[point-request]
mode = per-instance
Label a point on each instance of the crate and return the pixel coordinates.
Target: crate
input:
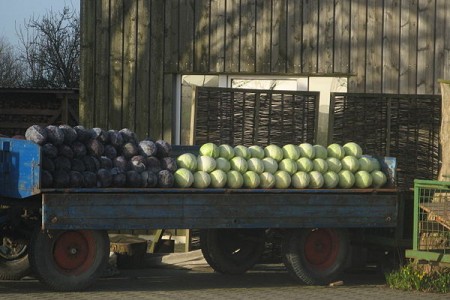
(431, 235)
(254, 117)
(403, 126)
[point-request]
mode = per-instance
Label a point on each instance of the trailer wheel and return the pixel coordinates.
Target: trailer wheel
(69, 260)
(316, 256)
(14, 263)
(232, 251)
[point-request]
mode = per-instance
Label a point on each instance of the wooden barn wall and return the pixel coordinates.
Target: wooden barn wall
(131, 49)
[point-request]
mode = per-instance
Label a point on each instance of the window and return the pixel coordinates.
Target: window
(268, 83)
(325, 85)
(185, 103)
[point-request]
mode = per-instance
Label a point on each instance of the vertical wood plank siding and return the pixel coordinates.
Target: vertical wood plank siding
(115, 78)
(131, 49)
(87, 63)
(101, 64)
(143, 68)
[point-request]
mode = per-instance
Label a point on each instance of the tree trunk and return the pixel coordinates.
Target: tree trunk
(444, 173)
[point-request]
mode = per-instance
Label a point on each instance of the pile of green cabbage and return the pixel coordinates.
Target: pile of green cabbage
(303, 166)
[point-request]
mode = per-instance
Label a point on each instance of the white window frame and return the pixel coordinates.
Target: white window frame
(311, 85)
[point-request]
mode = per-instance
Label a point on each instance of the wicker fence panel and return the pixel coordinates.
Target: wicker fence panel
(403, 126)
(255, 117)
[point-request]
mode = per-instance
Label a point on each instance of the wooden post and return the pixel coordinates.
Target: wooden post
(157, 237)
(65, 109)
(444, 173)
(193, 117)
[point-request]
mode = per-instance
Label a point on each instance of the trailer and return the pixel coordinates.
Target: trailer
(63, 233)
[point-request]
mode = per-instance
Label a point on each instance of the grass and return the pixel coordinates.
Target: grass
(420, 277)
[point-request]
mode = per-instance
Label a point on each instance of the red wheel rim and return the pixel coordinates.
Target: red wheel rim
(321, 248)
(74, 251)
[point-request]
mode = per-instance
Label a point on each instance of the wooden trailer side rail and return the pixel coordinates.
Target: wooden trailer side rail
(219, 208)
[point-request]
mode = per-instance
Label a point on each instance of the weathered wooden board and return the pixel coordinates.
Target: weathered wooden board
(116, 64)
(143, 69)
(219, 209)
(278, 37)
(186, 35)
(129, 65)
(172, 31)
(391, 53)
(358, 16)
(87, 68)
(201, 46)
(231, 36)
(101, 92)
(263, 36)
(408, 50)
(426, 47)
(310, 30)
(326, 37)
(294, 33)
(374, 59)
(217, 28)
(444, 140)
(438, 212)
(341, 44)
(156, 93)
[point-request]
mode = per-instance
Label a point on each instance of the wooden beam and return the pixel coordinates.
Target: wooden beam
(444, 173)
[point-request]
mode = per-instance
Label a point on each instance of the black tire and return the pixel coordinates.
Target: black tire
(316, 256)
(69, 260)
(205, 250)
(232, 251)
(14, 265)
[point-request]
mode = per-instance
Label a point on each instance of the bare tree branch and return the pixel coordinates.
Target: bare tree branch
(11, 69)
(51, 49)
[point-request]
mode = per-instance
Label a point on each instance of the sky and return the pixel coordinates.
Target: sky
(13, 13)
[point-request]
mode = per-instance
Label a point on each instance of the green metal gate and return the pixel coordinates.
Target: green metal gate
(431, 237)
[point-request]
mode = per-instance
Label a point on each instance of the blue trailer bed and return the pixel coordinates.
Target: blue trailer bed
(115, 209)
(130, 208)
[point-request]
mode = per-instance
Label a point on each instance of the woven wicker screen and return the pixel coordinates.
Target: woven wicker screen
(403, 126)
(255, 117)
